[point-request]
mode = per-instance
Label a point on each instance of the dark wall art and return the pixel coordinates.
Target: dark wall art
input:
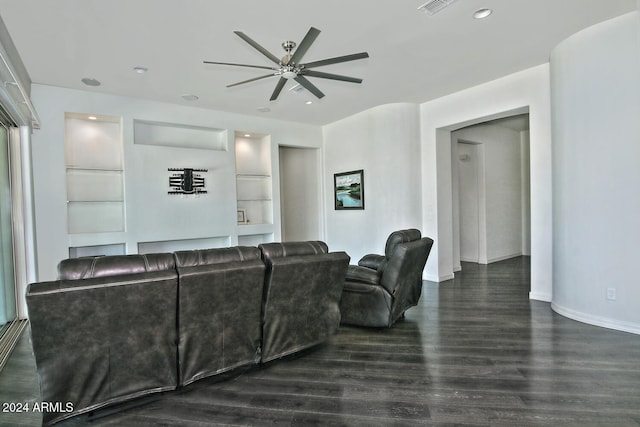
(185, 181)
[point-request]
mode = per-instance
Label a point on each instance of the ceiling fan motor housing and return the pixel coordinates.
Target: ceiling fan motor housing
(288, 46)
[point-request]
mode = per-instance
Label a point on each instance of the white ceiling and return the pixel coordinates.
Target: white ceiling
(414, 57)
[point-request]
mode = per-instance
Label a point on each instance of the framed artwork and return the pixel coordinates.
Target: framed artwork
(348, 188)
(242, 216)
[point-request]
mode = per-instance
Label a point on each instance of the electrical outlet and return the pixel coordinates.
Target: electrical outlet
(611, 294)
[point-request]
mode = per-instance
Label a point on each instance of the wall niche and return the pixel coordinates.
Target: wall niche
(94, 173)
(253, 179)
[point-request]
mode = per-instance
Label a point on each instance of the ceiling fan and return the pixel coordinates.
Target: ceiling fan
(288, 67)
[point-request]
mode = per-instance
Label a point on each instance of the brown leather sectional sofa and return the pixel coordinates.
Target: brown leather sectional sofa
(115, 328)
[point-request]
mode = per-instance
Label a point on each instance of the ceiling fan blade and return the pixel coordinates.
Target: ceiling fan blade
(240, 65)
(250, 80)
(309, 86)
(259, 48)
(278, 89)
(336, 60)
(304, 45)
(322, 75)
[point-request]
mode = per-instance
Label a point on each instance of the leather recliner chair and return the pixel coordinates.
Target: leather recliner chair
(381, 288)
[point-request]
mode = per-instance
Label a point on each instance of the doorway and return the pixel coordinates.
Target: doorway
(300, 194)
(491, 191)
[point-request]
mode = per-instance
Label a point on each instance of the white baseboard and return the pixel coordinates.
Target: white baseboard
(432, 278)
(540, 296)
(491, 260)
(590, 319)
(502, 258)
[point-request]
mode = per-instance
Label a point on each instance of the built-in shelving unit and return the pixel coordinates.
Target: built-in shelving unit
(254, 188)
(95, 186)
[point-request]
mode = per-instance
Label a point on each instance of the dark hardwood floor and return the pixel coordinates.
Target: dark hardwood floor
(475, 352)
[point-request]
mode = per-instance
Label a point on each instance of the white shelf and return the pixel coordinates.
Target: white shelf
(91, 169)
(90, 185)
(96, 239)
(97, 250)
(95, 217)
(250, 229)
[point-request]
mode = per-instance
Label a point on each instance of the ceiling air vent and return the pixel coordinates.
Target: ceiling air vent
(434, 6)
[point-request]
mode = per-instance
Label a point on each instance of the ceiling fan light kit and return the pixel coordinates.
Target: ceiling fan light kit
(289, 67)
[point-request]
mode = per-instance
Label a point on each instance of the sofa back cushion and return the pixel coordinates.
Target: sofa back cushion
(302, 291)
(219, 307)
(400, 236)
(279, 250)
(113, 265)
(200, 257)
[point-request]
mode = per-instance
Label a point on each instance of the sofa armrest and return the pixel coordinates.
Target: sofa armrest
(372, 261)
(356, 273)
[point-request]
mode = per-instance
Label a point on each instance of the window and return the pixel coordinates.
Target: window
(7, 277)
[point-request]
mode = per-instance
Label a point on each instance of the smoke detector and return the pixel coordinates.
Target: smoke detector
(434, 6)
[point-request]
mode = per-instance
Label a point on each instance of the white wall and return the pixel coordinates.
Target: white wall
(526, 91)
(468, 178)
(595, 76)
(525, 148)
(152, 215)
(503, 189)
(384, 142)
(300, 195)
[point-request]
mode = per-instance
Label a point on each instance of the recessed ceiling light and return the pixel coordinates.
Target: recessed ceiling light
(92, 118)
(247, 135)
(482, 13)
(140, 70)
(309, 102)
(90, 82)
(263, 109)
(190, 97)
